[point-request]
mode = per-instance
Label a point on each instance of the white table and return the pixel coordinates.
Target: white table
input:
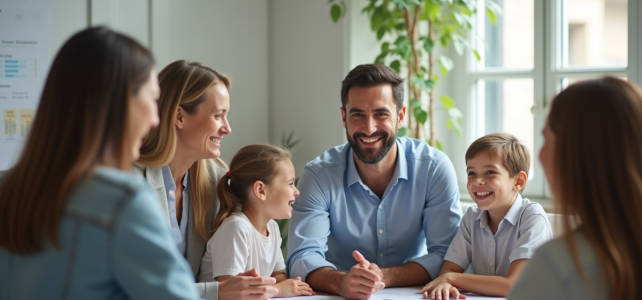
(407, 293)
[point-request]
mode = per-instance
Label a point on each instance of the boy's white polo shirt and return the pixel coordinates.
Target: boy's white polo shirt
(524, 228)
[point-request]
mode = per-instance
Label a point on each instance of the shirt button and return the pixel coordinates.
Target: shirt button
(491, 264)
(492, 244)
(380, 207)
(381, 255)
(380, 230)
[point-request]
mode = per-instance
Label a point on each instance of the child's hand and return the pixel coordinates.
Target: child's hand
(440, 288)
(293, 287)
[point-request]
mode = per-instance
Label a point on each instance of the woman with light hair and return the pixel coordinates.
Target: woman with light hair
(180, 160)
(592, 157)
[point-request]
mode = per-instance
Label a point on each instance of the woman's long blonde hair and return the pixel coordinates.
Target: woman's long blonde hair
(81, 119)
(598, 170)
(183, 84)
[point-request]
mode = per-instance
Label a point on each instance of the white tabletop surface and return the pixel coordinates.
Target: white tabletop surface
(406, 293)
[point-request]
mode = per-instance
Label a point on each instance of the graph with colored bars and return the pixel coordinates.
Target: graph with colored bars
(18, 68)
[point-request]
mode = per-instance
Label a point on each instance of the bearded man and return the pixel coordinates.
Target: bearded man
(379, 211)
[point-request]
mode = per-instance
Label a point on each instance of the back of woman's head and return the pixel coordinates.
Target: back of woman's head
(250, 164)
(182, 84)
(81, 120)
(598, 172)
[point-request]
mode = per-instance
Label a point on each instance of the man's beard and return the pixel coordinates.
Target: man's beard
(370, 155)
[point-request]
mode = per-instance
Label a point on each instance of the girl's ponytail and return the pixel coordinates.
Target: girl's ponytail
(250, 164)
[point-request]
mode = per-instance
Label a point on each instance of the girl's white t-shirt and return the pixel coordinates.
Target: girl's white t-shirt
(237, 247)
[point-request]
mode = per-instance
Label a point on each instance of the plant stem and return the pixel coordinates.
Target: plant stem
(431, 94)
(411, 68)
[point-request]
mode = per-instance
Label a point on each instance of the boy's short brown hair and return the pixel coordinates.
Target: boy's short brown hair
(507, 147)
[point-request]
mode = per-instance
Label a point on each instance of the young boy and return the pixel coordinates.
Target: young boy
(499, 234)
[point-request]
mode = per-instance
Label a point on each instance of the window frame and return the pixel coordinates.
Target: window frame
(547, 75)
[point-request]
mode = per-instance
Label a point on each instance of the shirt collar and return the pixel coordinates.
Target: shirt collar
(512, 215)
(401, 169)
(168, 179)
(514, 211)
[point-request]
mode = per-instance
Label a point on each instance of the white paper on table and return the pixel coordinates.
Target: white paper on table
(407, 293)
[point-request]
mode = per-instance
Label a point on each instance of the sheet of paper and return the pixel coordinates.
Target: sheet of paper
(409, 293)
(24, 63)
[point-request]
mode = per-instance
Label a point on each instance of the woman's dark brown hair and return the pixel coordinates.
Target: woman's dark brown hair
(81, 120)
(598, 172)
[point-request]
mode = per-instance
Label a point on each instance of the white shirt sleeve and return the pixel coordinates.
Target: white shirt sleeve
(460, 250)
(231, 244)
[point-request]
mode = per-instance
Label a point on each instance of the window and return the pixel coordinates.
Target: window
(535, 49)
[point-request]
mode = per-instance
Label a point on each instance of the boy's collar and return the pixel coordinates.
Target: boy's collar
(512, 215)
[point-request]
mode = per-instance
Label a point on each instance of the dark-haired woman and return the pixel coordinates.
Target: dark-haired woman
(74, 222)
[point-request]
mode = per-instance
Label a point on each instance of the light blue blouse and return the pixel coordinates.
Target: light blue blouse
(179, 230)
(113, 245)
(551, 273)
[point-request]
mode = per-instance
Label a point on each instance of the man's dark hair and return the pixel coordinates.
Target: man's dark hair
(370, 75)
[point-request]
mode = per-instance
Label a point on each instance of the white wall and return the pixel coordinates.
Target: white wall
(230, 36)
(307, 63)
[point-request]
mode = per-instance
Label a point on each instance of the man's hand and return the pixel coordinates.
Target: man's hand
(247, 286)
(362, 281)
(366, 264)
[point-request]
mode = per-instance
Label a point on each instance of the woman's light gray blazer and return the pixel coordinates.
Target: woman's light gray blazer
(195, 245)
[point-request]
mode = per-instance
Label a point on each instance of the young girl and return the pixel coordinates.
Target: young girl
(258, 188)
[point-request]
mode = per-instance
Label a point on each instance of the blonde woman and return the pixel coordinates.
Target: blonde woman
(592, 157)
(180, 160)
(74, 222)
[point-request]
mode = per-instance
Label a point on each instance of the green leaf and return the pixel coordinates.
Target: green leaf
(414, 103)
(494, 7)
(377, 18)
(403, 131)
(432, 10)
(335, 13)
(491, 16)
(455, 113)
(477, 56)
(447, 102)
(428, 44)
(420, 115)
(330, 1)
(439, 146)
(400, 26)
(380, 33)
(396, 65)
(430, 84)
(459, 42)
(446, 64)
(385, 47)
(435, 78)
(456, 127)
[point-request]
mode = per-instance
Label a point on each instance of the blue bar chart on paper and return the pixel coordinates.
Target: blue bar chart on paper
(18, 68)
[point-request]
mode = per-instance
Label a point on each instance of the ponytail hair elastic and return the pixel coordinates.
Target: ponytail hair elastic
(229, 177)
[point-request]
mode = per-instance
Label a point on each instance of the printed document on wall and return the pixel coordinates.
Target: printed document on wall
(24, 63)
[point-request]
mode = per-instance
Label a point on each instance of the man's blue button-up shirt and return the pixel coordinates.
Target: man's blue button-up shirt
(337, 213)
